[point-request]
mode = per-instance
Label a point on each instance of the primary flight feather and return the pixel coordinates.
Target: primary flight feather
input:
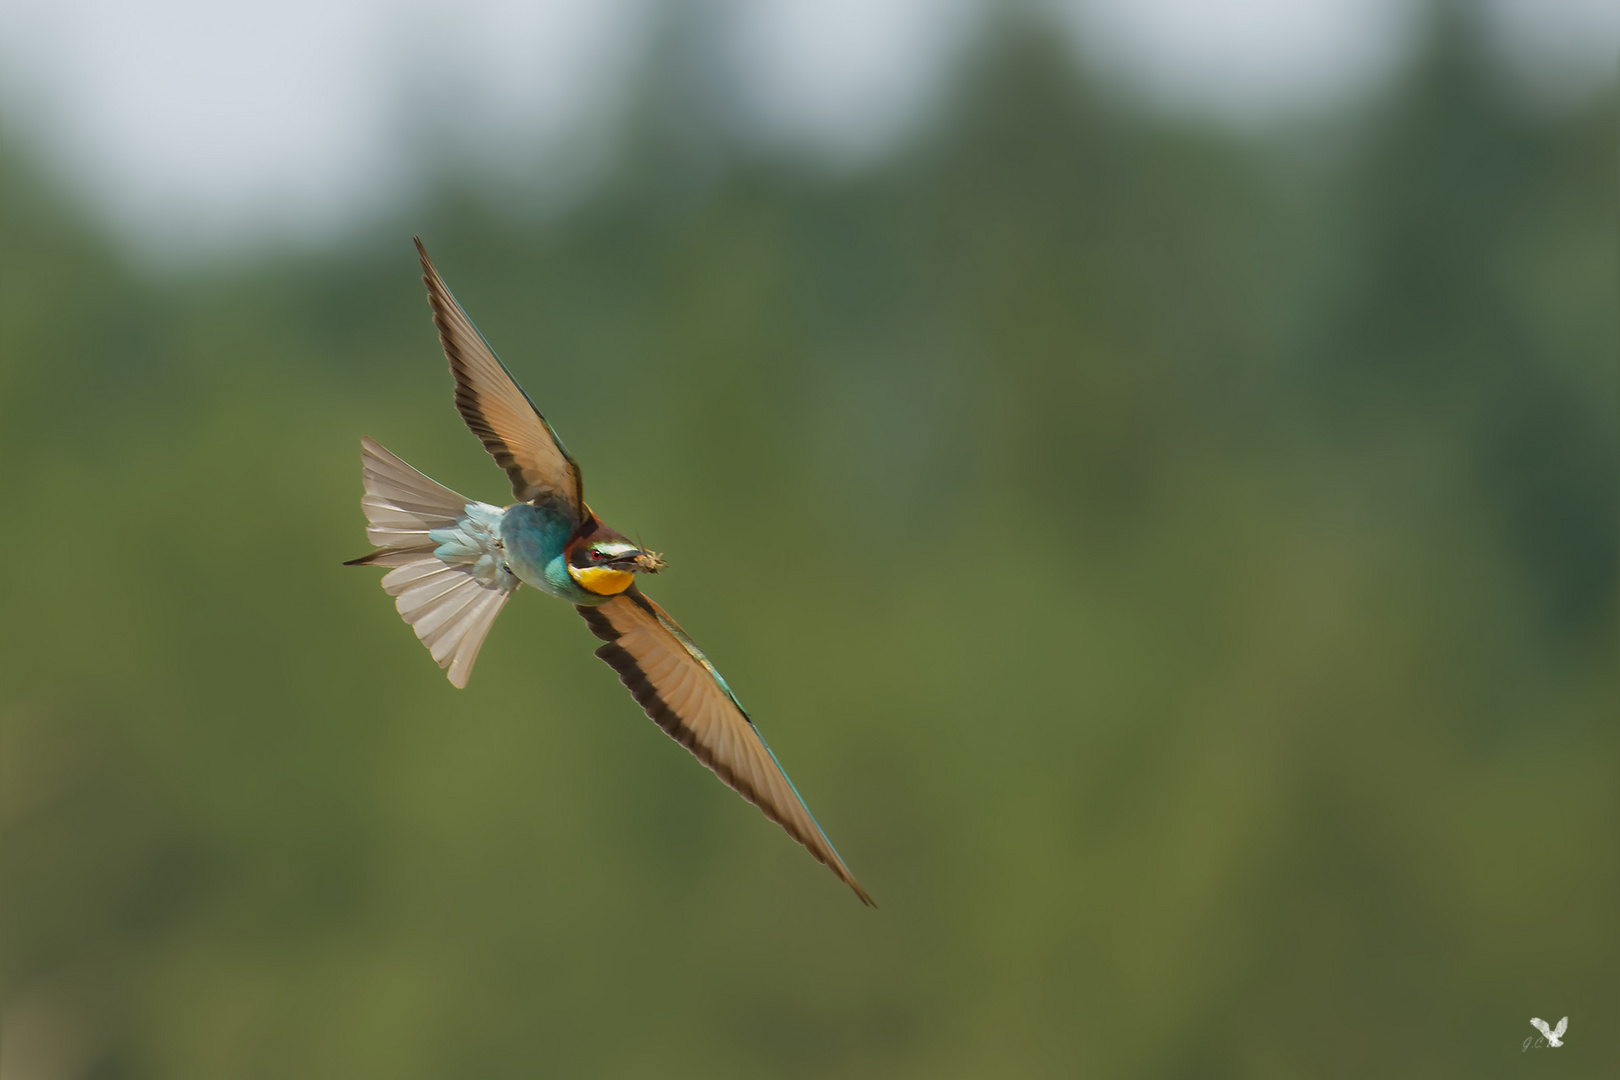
(453, 562)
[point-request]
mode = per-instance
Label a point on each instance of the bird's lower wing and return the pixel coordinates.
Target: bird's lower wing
(683, 694)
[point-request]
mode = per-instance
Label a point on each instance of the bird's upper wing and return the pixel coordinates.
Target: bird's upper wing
(1540, 1025)
(1563, 1026)
(684, 695)
(496, 408)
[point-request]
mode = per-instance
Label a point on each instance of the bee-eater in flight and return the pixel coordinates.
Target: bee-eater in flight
(453, 562)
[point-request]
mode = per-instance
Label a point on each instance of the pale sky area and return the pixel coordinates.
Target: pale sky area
(194, 123)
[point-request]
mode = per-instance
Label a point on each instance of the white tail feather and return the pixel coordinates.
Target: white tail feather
(449, 603)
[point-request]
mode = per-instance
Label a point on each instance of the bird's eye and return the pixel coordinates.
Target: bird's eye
(596, 555)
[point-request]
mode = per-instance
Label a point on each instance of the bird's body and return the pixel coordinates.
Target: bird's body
(455, 561)
(536, 540)
(1553, 1035)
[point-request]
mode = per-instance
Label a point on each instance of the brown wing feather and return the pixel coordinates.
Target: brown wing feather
(683, 694)
(496, 408)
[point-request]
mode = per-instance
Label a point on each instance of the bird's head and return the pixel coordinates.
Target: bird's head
(605, 563)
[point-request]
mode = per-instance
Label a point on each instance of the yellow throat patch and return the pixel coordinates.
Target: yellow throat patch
(602, 580)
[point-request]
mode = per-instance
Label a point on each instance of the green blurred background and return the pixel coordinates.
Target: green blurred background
(1177, 563)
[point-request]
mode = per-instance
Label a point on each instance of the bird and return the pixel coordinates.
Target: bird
(1553, 1035)
(453, 562)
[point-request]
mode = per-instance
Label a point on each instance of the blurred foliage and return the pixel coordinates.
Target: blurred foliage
(1178, 568)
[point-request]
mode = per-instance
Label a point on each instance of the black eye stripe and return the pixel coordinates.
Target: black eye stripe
(608, 555)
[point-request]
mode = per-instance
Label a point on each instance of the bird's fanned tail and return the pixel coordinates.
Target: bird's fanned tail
(447, 578)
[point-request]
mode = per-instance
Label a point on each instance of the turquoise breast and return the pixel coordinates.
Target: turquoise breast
(534, 538)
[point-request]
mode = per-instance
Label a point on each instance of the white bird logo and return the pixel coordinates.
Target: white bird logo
(1554, 1035)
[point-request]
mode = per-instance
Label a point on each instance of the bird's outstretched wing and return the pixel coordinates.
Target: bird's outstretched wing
(1541, 1025)
(684, 695)
(1563, 1026)
(496, 408)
